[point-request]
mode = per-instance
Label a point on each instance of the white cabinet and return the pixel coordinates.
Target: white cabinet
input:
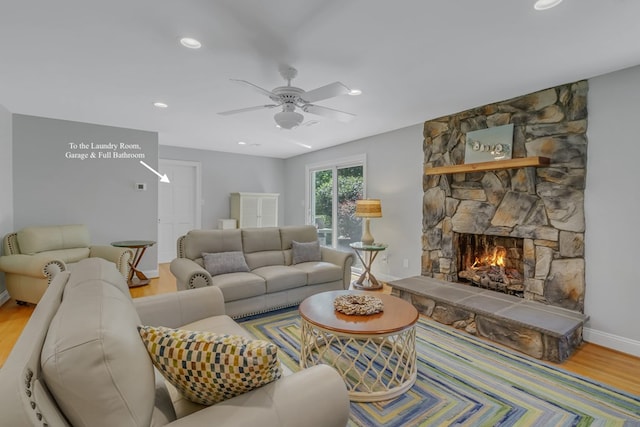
(255, 209)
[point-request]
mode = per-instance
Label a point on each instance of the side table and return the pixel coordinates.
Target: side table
(140, 246)
(367, 280)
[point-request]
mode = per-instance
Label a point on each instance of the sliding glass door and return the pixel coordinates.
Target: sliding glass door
(332, 193)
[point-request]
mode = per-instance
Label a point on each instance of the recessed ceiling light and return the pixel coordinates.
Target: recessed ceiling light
(190, 43)
(160, 105)
(242, 143)
(546, 4)
(355, 92)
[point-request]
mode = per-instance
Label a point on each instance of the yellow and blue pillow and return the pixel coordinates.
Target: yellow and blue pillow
(207, 368)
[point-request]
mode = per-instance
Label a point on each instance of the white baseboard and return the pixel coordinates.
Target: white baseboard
(614, 342)
(4, 297)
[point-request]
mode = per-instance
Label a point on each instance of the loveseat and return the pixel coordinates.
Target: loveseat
(260, 269)
(80, 361)
(33, 255)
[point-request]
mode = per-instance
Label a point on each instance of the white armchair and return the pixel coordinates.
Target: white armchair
(34, 255)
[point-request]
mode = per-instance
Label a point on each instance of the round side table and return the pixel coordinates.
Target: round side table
(140, 246)
(367, 280)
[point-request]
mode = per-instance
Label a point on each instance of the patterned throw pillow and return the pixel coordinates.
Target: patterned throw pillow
(207, 368)
(305, 252)
(224, 262)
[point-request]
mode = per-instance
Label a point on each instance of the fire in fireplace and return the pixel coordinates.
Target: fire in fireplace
(491, 262)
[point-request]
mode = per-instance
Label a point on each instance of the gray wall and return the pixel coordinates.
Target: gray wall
(394, 175)
(225, 173)
(50, 189)
(6, 181)
(612, 204)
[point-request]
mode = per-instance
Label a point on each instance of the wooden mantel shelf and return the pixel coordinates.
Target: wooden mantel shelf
(521, 162)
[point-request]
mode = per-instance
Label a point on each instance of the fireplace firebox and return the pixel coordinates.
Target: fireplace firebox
(491, 262)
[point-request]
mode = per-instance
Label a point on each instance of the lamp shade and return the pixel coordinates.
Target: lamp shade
(368, 208)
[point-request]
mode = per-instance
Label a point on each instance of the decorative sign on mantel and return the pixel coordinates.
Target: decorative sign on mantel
(486, 145)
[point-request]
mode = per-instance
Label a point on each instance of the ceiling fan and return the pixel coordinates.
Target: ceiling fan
(292, 98)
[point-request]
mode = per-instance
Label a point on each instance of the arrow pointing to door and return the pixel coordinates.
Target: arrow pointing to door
(163, 178)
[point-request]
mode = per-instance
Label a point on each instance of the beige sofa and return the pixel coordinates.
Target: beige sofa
(33, 255)
(80, 361)
(273, 278)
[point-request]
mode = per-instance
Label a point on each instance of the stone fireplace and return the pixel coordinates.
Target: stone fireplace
(529, 213)
(543, 206)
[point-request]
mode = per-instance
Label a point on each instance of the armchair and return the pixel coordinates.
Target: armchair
(34, 255)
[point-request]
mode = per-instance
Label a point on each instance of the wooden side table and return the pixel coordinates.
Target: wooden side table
(367, 280)
(140, 246)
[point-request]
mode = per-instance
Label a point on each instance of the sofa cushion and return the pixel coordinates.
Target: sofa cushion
(299, 233)
(279, 277)
(320, 272)
(195, 242)
(68, 256)
(225, 262)
(33, 240)
(235, 286)
(93, 361)
(262, 259)
(207, 368)
(261, 239)
(305, 252)
(261, 247)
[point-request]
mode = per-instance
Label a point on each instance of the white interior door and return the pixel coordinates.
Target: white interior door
(179, 207)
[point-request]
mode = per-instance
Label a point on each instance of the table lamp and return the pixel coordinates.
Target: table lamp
(368, 208)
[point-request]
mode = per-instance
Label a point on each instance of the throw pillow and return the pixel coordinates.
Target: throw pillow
(305, 252)
(207, 368)
(225, 262)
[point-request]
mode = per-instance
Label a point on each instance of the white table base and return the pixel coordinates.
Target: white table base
(374, 367)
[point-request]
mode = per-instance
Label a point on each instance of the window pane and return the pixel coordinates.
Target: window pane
(350, 189)
(322, 205)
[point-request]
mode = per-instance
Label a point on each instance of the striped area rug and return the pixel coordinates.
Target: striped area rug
(465, 381)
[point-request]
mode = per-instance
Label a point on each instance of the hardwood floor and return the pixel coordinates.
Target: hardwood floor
(593, 361)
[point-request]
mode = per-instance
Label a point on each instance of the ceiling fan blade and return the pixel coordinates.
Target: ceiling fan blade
(254, 87)
(328, 112)
(325, 92)
(244, 110)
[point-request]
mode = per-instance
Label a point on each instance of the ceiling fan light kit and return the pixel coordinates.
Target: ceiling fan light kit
(288, 119)
(290, 98)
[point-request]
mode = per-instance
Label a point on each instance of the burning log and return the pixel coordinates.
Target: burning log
(493, 277)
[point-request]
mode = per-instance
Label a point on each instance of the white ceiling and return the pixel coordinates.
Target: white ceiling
(106, 62)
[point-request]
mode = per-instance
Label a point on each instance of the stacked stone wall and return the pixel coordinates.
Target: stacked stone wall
(544, 205)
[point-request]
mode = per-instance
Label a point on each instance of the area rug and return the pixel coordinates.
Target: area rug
(465, 381)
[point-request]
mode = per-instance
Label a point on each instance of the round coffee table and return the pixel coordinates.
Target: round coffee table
(375, 354)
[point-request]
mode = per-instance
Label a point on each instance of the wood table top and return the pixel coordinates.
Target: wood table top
(397, 315)
(133, 243)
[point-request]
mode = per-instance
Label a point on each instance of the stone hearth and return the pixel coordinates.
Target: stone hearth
(544, 206)
(538, 330)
